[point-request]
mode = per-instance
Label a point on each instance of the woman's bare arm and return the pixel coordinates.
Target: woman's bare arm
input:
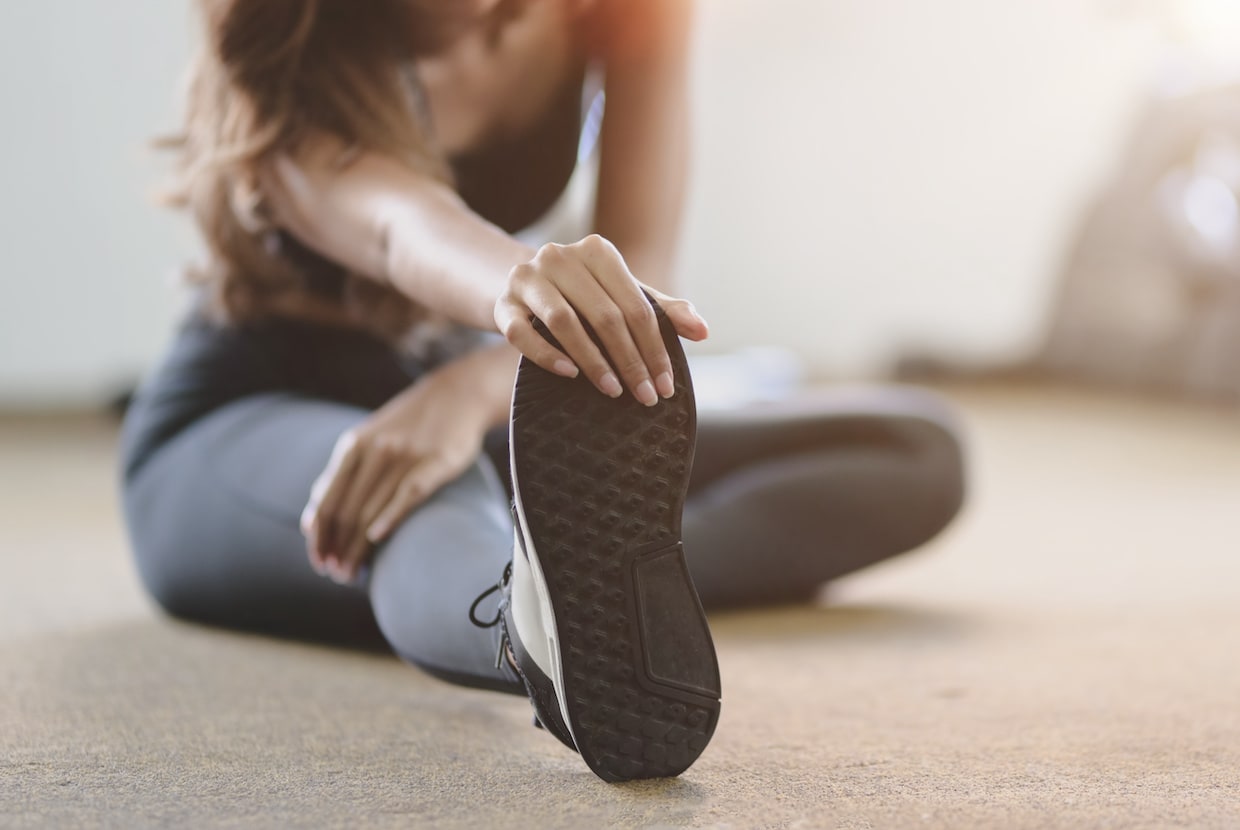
(645, 136)
(379, 218)
(382, 219)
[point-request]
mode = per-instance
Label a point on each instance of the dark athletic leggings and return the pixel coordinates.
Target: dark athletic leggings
(779, 503)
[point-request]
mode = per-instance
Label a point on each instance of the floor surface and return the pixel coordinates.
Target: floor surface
(1065, 656)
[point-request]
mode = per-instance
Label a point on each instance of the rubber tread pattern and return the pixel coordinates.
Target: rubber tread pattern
(602, 481)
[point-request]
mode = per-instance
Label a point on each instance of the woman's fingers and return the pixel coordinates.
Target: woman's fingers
(570, 287)
(363, 498)
(588, 300)
(626, 314)
(685, 318)
(414, 488)
(331, 520)
(380, 499)
(318, 520)
(360, 509)
(368, 477)
(513, 319)
(359, 544)
(560, 305)
(545, 301)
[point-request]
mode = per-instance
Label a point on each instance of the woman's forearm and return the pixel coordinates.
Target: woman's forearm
(380, 218)
(442, 255)
(487, 375)
(645, 136)
(642, 182)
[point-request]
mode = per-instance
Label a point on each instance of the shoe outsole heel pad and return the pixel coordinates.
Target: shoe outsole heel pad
(602, 484)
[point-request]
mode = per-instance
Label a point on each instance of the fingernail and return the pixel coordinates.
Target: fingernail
(665, 385)
(376, 532)
(645, 393)
(610, 385)
(563, 367)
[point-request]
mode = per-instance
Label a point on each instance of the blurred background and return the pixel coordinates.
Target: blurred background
(876, 183)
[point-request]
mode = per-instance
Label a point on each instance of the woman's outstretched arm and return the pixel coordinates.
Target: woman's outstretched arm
(645, 135)
(382, 219)
(374, 215)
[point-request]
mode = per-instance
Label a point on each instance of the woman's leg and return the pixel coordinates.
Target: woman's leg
(784, 500)
(214, 520)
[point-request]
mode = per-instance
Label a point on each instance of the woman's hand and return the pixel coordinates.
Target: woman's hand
(390, 463)
(589, 281)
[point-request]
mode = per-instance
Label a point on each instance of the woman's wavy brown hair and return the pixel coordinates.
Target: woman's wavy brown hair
(268, 74)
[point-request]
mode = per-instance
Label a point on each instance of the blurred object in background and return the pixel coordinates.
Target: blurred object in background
(1209, 30)
(1149, 295)
(758, 374)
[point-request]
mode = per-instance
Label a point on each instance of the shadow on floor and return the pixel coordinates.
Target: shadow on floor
(843, 624)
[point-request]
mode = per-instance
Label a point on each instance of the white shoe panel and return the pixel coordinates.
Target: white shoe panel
(526, 613)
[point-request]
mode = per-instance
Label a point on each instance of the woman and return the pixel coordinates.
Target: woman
(360, 173)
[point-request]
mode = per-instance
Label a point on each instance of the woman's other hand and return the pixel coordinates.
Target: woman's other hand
(588, 281)
(385, 467)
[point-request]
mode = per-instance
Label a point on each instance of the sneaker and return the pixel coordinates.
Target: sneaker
(538, 686)
(604, 622)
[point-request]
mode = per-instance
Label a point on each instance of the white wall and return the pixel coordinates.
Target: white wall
(870, 173)
(86, 260)
(876, 174)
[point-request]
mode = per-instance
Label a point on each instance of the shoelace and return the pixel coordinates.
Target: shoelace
(498, 586)
(499, 612)
(504, 643)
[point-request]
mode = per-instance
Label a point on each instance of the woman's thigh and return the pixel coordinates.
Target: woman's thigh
(214, 519)
(892, 419)
(786, 497)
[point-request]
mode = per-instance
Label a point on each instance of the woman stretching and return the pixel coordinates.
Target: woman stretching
(325, 453)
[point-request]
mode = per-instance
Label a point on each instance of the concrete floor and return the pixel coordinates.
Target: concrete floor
(1065, 656)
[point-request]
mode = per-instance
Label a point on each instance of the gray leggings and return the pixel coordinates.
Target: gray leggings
(778, 504)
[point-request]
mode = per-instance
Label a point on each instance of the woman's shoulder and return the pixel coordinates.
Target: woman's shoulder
(616, 29)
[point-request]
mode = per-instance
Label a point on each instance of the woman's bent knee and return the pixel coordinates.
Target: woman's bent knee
(152, 559)
(426, 575)
(936, 456)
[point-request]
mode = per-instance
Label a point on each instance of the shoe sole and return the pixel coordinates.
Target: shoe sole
(600, 487)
